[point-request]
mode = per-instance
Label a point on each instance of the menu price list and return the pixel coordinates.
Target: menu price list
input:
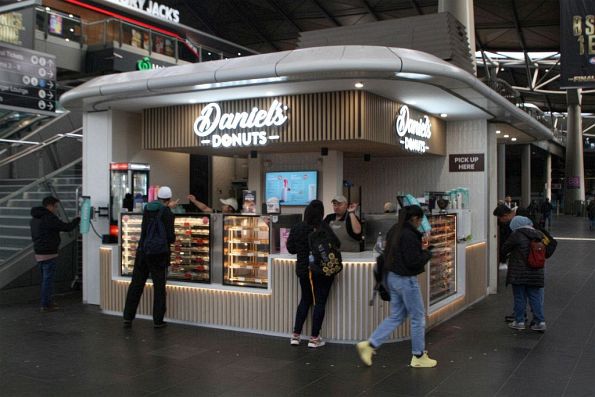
(27, 79)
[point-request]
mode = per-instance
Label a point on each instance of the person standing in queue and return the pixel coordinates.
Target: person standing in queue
(152, 257)
(315, 288)
(228, 205)
(406, 257)
(345, 224)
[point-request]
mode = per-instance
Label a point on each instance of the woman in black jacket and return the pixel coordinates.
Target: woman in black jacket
(527, 283)
(315, 288)
(406, 257)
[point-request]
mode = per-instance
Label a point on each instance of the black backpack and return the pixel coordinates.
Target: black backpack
(155, 242)
(549, 241)
(380, 280)
(327, 256)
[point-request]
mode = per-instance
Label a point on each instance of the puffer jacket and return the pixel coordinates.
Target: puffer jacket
(517, 247)
(297, 243)
(45, 230)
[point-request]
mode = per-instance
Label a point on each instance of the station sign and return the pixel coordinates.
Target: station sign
(414, 135)
(218, 129)
(27, 79)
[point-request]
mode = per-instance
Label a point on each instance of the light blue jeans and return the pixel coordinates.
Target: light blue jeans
(405, 299)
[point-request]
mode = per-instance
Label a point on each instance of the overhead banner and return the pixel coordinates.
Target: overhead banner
(577, 44)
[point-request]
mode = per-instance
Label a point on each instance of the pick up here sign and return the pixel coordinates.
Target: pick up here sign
(466, 162)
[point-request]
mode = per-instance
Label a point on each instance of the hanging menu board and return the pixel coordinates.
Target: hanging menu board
(27, 79)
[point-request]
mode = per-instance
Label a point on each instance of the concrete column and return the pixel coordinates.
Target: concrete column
(463, 11)
(574, 151)
(332, 178)
(526, 176)
(548, 176)
(501, 175)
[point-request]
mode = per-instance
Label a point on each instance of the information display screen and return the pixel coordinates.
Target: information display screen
(292, 187)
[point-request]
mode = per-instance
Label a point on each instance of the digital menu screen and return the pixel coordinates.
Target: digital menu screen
(292, 187)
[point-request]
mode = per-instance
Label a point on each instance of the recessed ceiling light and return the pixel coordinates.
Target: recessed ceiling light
(239, 54)
(359, 84)
(47, 8)
(443, 115)
(506, 136)
(269, 93)
(67, 39)
(412, 102)
(513, 139)
(498, 131)
(71, 16)
(193, 101)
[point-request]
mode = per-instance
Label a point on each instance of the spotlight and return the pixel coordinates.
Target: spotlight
(324, 151)
(253, 154)
(359, 84)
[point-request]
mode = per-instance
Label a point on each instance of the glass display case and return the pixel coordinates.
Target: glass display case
(443, 265)
(190, 254)
(246, 250)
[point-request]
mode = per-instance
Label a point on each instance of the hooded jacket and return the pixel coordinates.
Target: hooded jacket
(45, 230)
(410, 258)
(517, 246)
(150, 212)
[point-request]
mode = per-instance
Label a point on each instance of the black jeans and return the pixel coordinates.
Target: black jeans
(315, 291)
(156, 266)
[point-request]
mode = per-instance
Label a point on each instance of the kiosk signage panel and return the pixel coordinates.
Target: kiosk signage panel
(291, 187)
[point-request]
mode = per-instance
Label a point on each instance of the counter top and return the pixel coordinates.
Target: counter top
(365, 256)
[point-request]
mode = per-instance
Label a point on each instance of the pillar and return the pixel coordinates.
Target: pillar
(548, 176)
(332, 178)
(575, 171)
(526, 176)
(462, 10)
(255, 179)
(501, 175)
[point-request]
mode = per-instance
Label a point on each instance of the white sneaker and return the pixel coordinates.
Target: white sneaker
(316, 342)
(295, 339)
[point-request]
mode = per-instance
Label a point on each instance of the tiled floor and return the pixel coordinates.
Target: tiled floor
(79, 351)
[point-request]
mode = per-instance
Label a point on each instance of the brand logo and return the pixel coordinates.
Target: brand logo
(212, 119)
(413, 134)
(150, 7)
(147, 64)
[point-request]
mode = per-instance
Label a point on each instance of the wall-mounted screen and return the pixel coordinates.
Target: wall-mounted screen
(292, 187)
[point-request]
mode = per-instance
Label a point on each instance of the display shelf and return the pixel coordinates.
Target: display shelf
(442, 273)
(245, 250)
(190, 254)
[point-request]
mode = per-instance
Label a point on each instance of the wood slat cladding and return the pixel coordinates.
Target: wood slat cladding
(348, 315)
(338, 119)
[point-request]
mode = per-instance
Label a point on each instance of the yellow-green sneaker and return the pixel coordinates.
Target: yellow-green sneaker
(423, 362)
(365, 351)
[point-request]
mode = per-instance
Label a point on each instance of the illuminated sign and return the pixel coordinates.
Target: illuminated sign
(150, 7)
(212, 119)
(147, 64)
(413, 134)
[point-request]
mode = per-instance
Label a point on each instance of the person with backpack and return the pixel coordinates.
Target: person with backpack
(405, 257)
(526, 272)
(152, 257)
(315, 287)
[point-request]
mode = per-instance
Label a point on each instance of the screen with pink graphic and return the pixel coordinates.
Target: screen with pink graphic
(292, 187)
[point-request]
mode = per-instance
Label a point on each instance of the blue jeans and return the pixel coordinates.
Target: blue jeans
(405, 299)
(534, 295)
(48, 269)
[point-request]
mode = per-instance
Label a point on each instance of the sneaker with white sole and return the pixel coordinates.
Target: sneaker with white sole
(423, 362)
(295, 339)
(539, 327)
(515, 325)
(315, 342)
(365, 351)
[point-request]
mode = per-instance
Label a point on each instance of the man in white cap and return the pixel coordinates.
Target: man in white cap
(345, 224)
(228, 205)
(152, 257)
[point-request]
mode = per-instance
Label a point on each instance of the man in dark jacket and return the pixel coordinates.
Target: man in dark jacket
(151, 259)
(45, 233)
(527, 283)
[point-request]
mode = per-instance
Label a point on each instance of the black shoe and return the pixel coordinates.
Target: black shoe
(127, 324)
(509, 319)
(162, 324)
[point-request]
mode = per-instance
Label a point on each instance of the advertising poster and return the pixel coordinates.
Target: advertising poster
(577, 44)
(283, 236)
(249, 204)
(291, 187)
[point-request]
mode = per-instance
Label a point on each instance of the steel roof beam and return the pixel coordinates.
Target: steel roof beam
(327, 14)
(521, 39)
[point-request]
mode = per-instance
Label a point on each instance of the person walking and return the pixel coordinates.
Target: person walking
(406, 257)
(315, 288)
(45, 233)
(546, 213)
(152, 257)
(591, 214)
(527, 282)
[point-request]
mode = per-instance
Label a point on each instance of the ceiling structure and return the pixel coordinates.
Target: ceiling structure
(521, 26)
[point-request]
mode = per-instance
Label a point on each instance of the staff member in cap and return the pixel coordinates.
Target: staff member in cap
(228, 205)
(152, 257)
(345, 224)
